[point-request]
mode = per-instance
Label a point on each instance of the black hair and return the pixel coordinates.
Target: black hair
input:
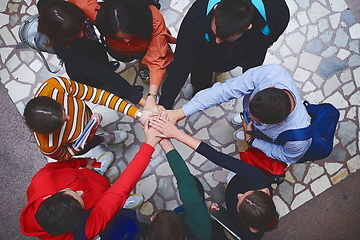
(43, 115)
(232, 17)
(258, 211)
(58, 214)
(127, 16)
(166, 226)
(61, 22)
(271, 105)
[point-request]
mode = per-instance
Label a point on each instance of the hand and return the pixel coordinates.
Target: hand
(150, 105)
(175, 115)
(90, 162)
(164, 126)
(214, 206)
(144, 116)
(151, 134)
(247, 127)
(96, 126)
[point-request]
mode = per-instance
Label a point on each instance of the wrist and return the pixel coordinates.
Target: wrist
(250, 141)
(138, 114)
(152, 95)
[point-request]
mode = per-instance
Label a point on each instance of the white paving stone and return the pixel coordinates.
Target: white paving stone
(329, 51)
(313, 32)
(341, 38)
(317, 80)
(198, 159)
(4, 53)
(290, 62)
(202, 134)
(338, 5)
(179, 5)
(355, 31)
(342, 54)
(320, 185)
(314, 97)
(354, 164)
(18, 91)
(309, 61)
(302, 18)
(314, 172)
(295, 41)
(7, 36)
(293, 6)
(210, 180)
(147, 186)
(348, 88)
(298, 188)
(345, 76)
(4, 75)
(308, 87)
(36, 65)
(13, 63)
(317, 11)
(351, 113)
(330, 85)
(214, 112)
(301, 199)
(323, 24)
(3, 5)
(4, 19)
(332, 168)
(337, 100)
(24, 74)
(281, 207)
(335, 20)
(203, 121)
(356, 73)
(301, 75)
(163, 170)
(355, 99)
(352, 148)
(284, 51)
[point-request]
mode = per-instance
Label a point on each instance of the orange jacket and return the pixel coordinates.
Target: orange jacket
(159, 53)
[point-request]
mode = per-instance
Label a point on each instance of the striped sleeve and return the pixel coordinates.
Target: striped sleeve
(97, 96)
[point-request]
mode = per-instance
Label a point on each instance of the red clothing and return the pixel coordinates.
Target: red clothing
(105, 200)
(159, 53)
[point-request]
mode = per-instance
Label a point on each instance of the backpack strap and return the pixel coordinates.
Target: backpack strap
(295, 135)
(259, 5)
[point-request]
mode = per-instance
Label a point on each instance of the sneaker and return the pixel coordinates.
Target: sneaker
(221, 176)
(106, 159)
(134, 201)
(236, 119)
(239, 135)
(113, 137)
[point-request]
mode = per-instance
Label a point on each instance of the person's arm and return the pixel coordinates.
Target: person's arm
(94, 69)
(197, 218)
(159, 54)
(114, 198)
(169, 130)
(94, 95)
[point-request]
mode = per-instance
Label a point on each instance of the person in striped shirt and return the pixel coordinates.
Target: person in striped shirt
(58, 115)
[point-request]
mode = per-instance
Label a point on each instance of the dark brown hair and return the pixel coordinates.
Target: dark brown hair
(166, 226)
(232, 17)
(43, 115)
(258, 211)
(61, 22)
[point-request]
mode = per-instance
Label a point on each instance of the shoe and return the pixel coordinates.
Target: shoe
(239, 135)
(113, 65)
(139, 87)
(106, 159)
(113, 137)
(144, 73)
(220, 176)
(133, 201)
(236, 119)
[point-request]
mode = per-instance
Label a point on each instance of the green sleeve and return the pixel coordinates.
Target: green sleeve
(197, 217)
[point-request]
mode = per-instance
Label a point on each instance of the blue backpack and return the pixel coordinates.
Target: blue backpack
(324, 118)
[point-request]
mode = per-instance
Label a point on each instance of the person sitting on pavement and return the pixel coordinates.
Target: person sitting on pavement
(217, 36)
(65, 202)
(134, 29)
(195, 223)
(85, 59)
(272, 102)
(248, 195)
(58, 115)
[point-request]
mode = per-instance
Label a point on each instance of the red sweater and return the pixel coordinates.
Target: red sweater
(106, 201)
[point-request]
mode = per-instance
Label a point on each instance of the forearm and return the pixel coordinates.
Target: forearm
(187, 139)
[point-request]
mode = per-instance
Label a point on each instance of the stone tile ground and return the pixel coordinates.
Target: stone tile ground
(320, 48)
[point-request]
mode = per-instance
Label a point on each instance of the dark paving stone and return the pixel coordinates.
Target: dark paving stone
(338, 154)
(315, 46)
(330, 66)
(298, 171)
(286, 191)
(349, 17)
(165, 188)
(347, 132)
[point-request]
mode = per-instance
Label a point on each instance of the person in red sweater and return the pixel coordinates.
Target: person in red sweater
(60, 195)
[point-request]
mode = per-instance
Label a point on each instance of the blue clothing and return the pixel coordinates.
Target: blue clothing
(247, 85)
(247, 178)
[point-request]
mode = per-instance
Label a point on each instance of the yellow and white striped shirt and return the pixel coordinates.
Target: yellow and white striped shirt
(72, 96)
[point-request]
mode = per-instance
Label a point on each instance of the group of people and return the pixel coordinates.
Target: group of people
(71, 198)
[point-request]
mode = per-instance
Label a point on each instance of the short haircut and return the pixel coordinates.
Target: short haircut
(166, 226)
(271, 105)
(258, 211)
(127, 16)
(43, 115)
(58, 214)
(61, 22)
(232, 17)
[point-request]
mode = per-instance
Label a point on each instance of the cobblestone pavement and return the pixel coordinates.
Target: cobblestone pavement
(320, 48)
